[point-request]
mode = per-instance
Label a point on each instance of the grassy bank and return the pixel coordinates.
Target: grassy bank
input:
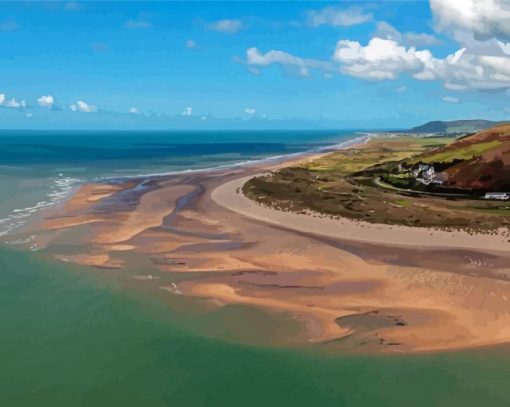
(357, 183)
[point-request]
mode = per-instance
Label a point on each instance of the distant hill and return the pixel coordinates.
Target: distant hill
(456, 126)
(477, 162)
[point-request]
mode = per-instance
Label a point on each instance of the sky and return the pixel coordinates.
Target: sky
(252, 65)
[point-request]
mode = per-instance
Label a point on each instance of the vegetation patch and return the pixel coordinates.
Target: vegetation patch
(373, 183)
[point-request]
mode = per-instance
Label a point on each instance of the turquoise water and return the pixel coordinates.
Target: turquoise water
(69, 339)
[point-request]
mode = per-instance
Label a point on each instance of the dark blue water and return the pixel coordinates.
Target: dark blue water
(111, 150)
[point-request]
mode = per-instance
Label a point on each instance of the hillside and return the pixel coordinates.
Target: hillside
(457, 126)
(478, 162)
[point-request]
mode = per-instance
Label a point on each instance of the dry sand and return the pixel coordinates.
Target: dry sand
(229, 195)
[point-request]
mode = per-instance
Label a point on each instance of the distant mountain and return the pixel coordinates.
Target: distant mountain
(479, 162)
(456, 126)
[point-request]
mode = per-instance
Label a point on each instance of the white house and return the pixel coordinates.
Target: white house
(497, 195)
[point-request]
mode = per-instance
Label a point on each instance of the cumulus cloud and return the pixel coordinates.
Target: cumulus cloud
(450, 99)
(485, 18)
(227, 26)
(187, 111)
(380, 59)
(292, 64)
(481, 28)
(484, 68)
(465, 70)
(46, 101)
(338, 17)
(83, 107)
(250, 110)
(134, 110)
(13, 103)
(383, 59)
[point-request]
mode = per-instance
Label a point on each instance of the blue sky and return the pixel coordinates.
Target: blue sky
(350, 64)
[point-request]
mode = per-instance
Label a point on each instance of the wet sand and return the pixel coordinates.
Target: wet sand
(377, 288)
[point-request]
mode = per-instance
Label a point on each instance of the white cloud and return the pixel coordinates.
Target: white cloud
(505, 47)
(134, 110)
(250, 110)
(187, 111)
(409, 38)
(420, 39)
(450, 99)
(380, 59)
(480, 27)
(191, 44)
(293, 65)
(465, 70)
(387, 31)
(227, 26)
(401, 89)
(13, 103)
(384, 59)
(485, 18)
(138, 24)
(46, 101)
(338, 17)
(83, 107)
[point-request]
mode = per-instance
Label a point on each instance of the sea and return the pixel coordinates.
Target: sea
(76, 336)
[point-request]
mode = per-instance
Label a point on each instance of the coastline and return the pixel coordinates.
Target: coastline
(230, 196)
(352, 287)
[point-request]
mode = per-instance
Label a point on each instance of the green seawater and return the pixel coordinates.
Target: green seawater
(70, 339)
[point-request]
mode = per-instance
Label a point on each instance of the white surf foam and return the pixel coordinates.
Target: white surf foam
(59, 189)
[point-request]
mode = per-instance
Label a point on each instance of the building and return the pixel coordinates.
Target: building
(440, 178)
(427, 175)
(497, 195)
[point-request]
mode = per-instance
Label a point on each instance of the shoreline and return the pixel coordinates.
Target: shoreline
(230, 196)
(359, 291)
(270, 161)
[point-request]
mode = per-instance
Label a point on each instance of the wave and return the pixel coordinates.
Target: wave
(59, 189)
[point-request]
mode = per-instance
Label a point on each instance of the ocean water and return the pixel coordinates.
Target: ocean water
(75, 336)
(41, 168)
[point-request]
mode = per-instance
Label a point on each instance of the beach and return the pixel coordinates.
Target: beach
(351, 285)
